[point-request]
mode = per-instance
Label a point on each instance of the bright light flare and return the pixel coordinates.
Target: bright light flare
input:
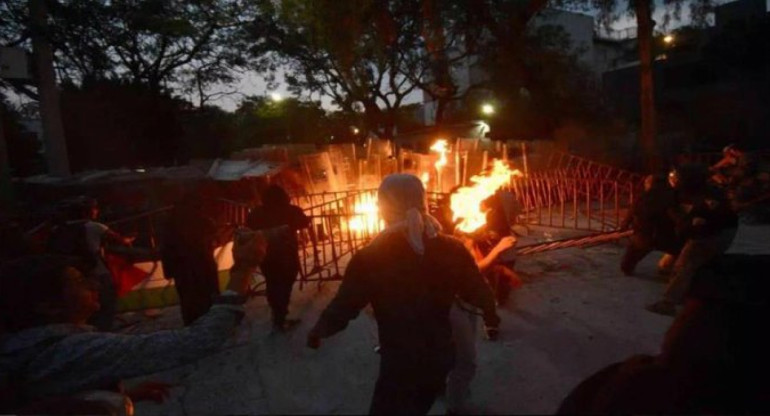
(276, 97)
(488, 109)
(366, 216)
(441, 147)
(466, 202)
(668, 39)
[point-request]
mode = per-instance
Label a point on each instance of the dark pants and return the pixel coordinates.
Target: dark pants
(196, 287)
(408, 386)
(638, 248)
(108, 301)
(279, 282)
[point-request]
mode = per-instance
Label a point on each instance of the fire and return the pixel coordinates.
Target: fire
(425, 178)
(441, 147)
(366, 215)
(466, 202)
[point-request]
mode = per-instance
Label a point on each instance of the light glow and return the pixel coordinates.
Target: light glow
(466, 202)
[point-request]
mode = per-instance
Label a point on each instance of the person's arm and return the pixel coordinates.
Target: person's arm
(346, 305)
(94, 359)
(504, 244)
(473, 289)
(298, 218)
(110, 236)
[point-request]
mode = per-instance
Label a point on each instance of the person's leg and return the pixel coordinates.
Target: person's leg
(409, 387)
(464, 329)
(273, 292)
(108, 298)
(666, 263)
(287, 278)
(391, 395)
(636, 250)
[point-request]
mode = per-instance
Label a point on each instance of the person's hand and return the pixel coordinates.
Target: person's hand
(128, 239)
(150, 390)
(313, 340)
(505, 243)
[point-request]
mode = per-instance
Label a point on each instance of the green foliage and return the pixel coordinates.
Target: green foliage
(260, 120)
(356, 53)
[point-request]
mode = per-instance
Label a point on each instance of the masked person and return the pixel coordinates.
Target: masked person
(411, 275)
(707, 225)
(653, 226)
(281, 264)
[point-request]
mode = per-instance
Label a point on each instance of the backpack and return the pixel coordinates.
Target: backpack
(70, 239)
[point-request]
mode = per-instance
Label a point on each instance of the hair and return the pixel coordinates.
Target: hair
(274, 195)
(28, 282)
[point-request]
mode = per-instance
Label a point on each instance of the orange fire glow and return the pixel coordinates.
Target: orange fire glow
(366, 215)
(466, 202)
(440, 146)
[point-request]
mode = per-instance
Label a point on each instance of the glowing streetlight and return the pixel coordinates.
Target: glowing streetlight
(668, 39)
(276, 97)
(487, 109)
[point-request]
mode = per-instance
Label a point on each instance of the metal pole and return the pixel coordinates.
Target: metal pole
(524, 157)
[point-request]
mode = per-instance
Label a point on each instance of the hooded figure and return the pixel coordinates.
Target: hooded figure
(410, 274)
(281, 263)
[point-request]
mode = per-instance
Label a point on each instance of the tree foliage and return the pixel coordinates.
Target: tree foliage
(356, 53)
(183, 45)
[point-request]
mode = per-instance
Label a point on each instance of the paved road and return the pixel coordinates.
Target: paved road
(575, 314)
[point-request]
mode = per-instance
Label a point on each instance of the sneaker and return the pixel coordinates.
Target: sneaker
(662, 307)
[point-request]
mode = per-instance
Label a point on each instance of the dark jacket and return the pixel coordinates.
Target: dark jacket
(282, 247)
(650, 219)
(411, 294)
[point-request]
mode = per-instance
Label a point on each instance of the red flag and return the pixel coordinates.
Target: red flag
(124, 274)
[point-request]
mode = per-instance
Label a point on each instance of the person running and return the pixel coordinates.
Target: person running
(653, 226)
(410, 274)
(705, 222)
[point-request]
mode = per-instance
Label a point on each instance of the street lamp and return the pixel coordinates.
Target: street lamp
(487, 109)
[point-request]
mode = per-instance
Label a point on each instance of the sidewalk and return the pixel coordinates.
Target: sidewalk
(575, 314)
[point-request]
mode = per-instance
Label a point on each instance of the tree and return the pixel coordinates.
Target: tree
(163, 44)
(361, 67)
(261, 120)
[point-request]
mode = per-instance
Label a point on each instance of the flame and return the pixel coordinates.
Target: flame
(366, 215)
(466, 202)
(440, 146)
(425, 178)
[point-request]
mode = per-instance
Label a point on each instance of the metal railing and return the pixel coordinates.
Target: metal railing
(575, 203)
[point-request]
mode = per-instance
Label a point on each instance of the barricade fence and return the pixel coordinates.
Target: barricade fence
(345, 221)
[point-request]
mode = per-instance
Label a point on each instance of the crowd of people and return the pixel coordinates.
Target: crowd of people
(428, 284)
(692, 216)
